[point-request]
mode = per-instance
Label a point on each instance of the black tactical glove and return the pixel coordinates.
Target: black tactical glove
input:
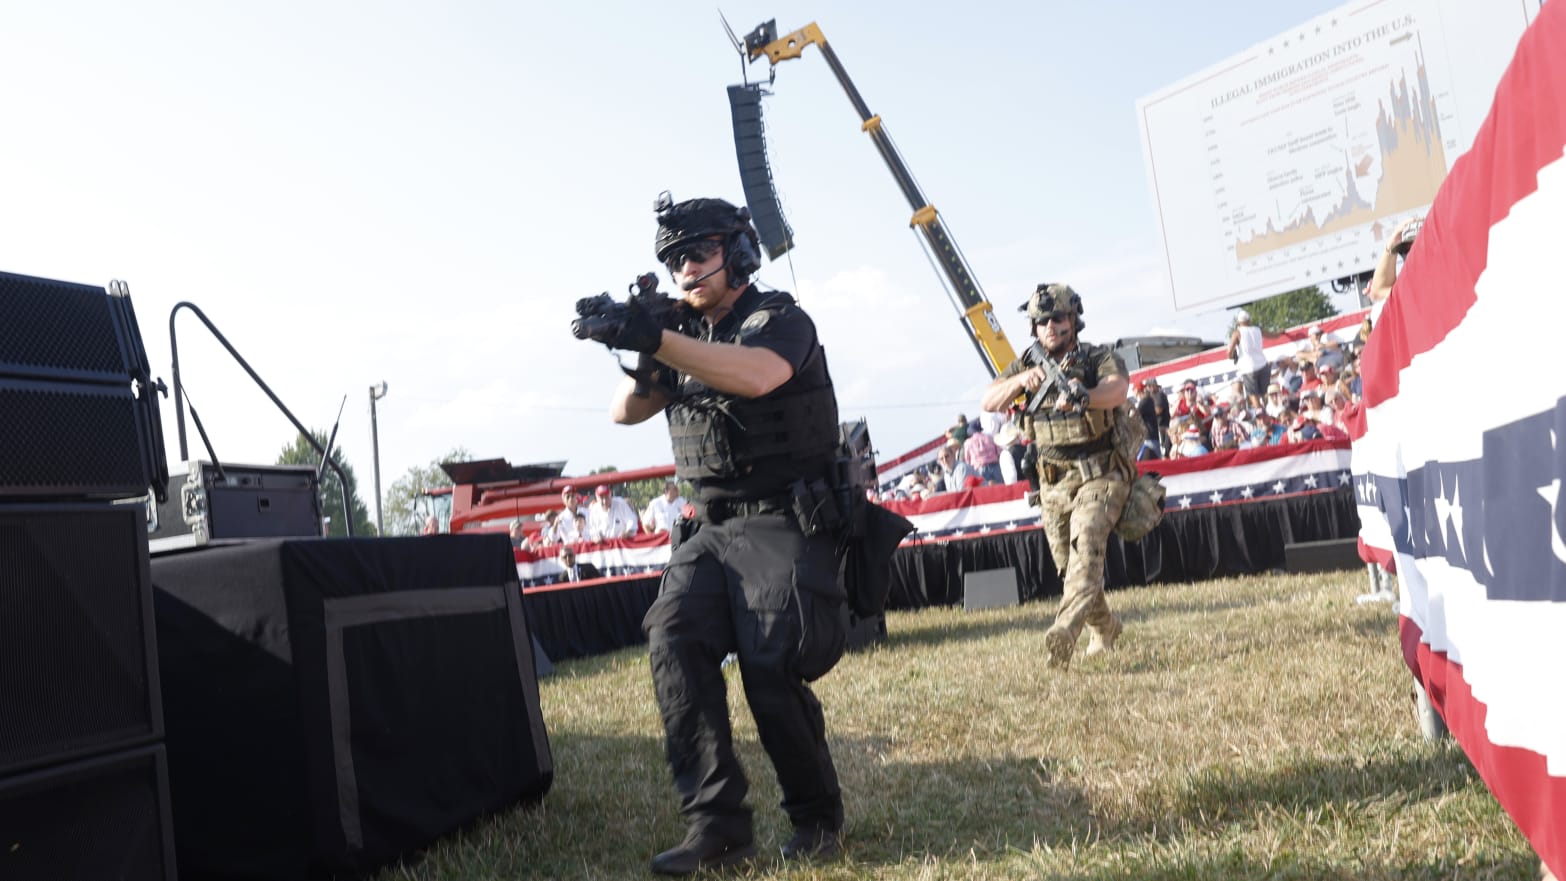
(631, 328)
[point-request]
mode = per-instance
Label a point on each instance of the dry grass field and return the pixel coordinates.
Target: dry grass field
(1255, 728)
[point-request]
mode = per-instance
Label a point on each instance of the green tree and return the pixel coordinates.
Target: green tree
(401, 509)
(300, 452)
(1290, 309)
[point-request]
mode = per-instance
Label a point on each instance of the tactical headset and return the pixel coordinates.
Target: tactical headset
(699, 218)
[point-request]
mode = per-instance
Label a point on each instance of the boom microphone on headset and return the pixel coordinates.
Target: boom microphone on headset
(691, 285)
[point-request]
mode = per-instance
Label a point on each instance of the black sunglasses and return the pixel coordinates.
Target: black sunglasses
(696, 252)
(1059, 317)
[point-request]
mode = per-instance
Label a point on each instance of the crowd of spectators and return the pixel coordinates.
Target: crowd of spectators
(1306, 396)
(986, 451)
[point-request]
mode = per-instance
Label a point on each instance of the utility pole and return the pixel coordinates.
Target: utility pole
(376, 393)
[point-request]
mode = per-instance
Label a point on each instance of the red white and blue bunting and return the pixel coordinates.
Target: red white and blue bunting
(1459, 469)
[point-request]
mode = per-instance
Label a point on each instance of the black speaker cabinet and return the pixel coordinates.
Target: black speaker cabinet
(750, 147)
(78, 657)
(102, 818)
(78, 415)
(333, 704)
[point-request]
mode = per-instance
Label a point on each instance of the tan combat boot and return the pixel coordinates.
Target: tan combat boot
(1102, 639)
(1059, 643)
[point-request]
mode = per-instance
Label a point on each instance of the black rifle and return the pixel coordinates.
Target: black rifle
(1054, 376)
(601, 318)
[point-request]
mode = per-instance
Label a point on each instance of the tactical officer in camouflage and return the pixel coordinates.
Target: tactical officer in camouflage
(1083, 483)
(753, 418)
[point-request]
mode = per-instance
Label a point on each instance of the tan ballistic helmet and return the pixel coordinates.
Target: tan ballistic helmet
(1050, 298)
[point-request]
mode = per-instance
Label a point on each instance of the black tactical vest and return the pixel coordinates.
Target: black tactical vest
(755, 447)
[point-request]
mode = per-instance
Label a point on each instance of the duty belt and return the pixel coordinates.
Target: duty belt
(719, 510)
(1052, 471)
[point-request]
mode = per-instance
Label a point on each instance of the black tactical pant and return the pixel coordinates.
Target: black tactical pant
(758, 587)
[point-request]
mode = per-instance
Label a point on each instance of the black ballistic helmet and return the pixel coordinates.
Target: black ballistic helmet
(684, 222)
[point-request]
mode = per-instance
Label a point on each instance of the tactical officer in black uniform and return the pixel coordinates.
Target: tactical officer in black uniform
(754, 424)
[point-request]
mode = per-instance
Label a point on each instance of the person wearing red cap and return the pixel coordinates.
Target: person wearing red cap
(1192, 407)
(609, 516)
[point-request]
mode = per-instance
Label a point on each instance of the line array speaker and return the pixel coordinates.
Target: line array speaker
(750, 146)
(78, 412)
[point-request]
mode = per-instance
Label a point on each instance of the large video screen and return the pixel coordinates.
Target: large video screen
(1287, 165)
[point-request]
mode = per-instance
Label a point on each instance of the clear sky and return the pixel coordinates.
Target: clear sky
(419, 192)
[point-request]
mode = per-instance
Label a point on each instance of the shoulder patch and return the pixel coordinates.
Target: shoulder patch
(755, 323)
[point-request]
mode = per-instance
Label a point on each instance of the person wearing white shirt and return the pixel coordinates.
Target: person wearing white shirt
(663, 510)
(609, 516)
(566, 529)
(546, 534)
(1248, 350)
(993, 422)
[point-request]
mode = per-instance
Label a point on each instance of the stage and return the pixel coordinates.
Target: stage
(1229, 513)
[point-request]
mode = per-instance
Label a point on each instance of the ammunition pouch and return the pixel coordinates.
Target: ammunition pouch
(815, 506)
(702, 448)
(1092, 467)
(1051, 428)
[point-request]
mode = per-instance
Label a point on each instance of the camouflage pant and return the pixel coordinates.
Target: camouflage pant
(1078, 515)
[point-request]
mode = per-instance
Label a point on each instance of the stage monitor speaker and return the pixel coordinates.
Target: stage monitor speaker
(1331, 555)
(750, 146)
(78, 659)
(989, 589)
(105, 817)
(78, 414)
(241, 501)
(332, 705)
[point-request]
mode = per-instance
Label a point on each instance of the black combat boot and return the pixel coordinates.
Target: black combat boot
(813, 843)
(702, 849)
